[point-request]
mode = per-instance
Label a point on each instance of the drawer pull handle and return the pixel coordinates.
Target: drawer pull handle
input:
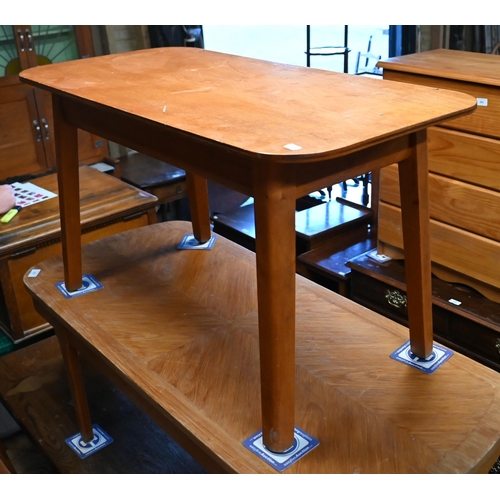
(22, 253)
(30, 40)
(21, 38)
(38, 130)
(497, 345)
(46, 127)
(396, 299)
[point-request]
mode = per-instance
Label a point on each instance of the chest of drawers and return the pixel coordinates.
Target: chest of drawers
(464, 167)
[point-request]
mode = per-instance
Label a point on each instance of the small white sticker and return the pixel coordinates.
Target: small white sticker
(454, 302)
(292, 147)
(482, 101)
(378, 256)
(34, 273)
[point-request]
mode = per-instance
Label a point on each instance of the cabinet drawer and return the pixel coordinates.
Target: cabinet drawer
(390, 301)
(475, 340)
(451, 247)
(483, 121)
(472, 208)
(465, 157)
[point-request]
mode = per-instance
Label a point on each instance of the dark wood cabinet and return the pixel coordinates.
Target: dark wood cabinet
(26, 126)
(463, 319)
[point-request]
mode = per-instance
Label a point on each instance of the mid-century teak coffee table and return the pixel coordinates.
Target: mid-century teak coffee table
(214, 354)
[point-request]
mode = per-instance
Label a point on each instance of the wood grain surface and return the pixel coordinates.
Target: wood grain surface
(35, 388)
(249, 104)
(453, 64)
(459, 204)
(458, 250)
(107, 206)
(179, 330)
(465, 157)
(101, 198)
(470, 72)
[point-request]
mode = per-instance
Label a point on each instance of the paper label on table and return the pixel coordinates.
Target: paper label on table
(82, 449)
(428, 365)
(379, 257)
(482, 101)
(89, 284)
(189, 242)
(34, 273)
(303, 443)
(292, 147)
(454, 302)
(28, 194)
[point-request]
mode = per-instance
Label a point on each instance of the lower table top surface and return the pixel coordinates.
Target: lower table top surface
(181, 327)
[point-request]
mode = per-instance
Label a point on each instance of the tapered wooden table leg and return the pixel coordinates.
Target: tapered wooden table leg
(198, 203)
(75, 378)
(413, 180)
(69, 195)
(275, 249)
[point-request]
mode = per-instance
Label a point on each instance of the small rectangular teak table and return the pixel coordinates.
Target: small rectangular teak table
(215, 355)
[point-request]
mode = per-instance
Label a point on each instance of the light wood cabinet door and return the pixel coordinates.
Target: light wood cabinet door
(26, 128)
(22, 145)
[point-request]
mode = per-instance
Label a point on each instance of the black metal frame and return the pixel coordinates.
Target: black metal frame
(336, 49)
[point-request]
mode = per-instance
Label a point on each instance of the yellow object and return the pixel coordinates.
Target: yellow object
(10, 215)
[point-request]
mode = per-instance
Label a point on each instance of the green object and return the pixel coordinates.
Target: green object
(6, 345)
(10, 215)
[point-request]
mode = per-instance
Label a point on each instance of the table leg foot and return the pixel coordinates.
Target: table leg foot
(75, 379)
(85, 448)
(303, 443)
(430, 364)
(198, 203)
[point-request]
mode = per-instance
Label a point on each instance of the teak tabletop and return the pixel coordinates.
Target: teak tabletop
(271, 131)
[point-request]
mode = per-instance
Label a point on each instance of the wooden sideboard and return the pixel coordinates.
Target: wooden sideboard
(108, 206)
(464, 180)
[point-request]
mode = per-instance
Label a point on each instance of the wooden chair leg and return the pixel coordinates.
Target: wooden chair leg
(6, 466)
(75, 378)
(200, 210)
(275, 252)
(69, 195)
(413, 183)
